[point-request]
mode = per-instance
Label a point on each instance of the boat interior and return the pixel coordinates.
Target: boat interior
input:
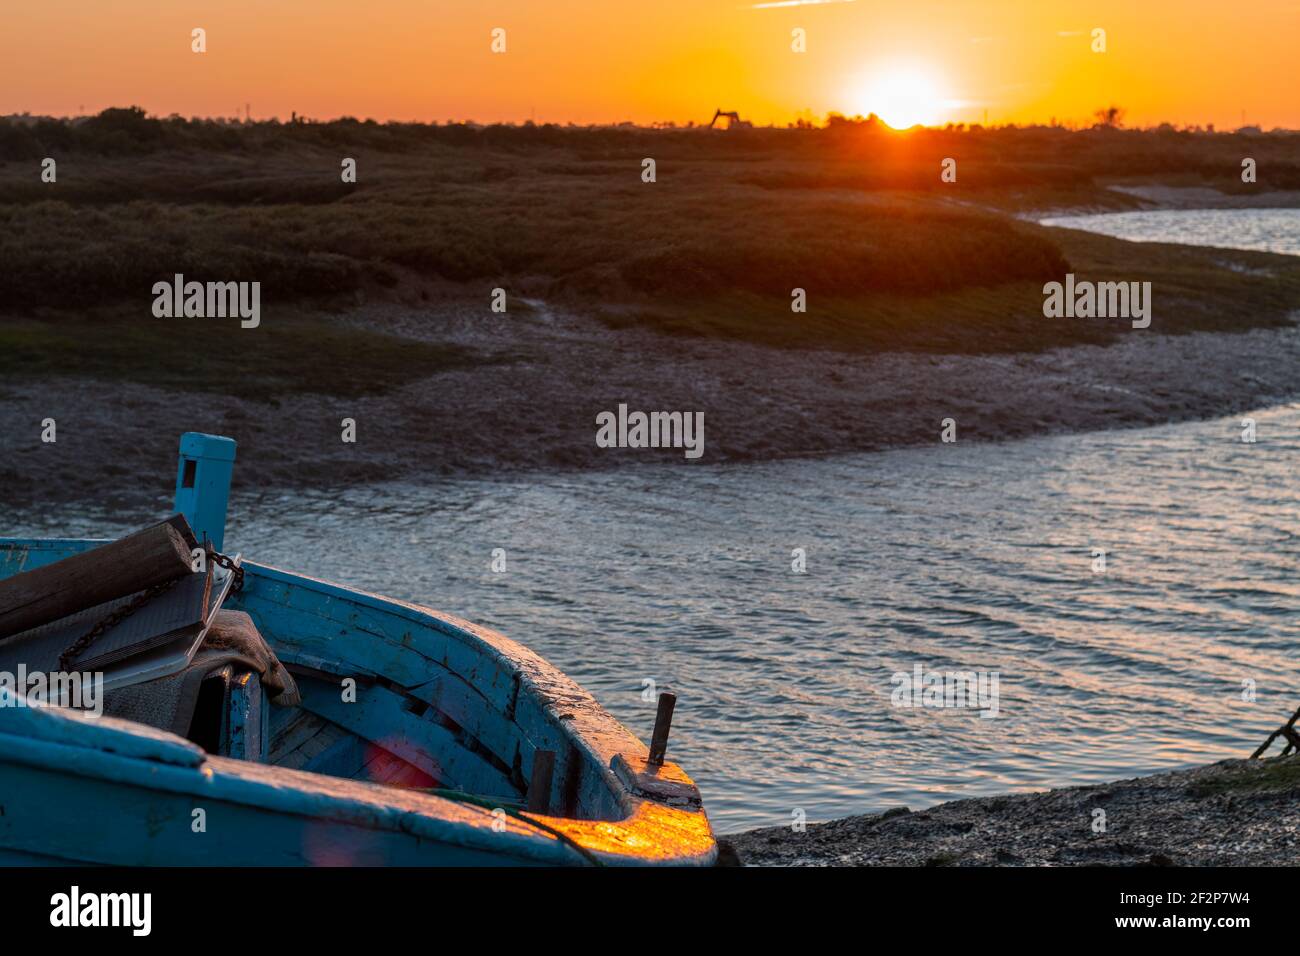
(351, 710)
(342, 703)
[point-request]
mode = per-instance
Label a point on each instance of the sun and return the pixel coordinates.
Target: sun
(901, 95)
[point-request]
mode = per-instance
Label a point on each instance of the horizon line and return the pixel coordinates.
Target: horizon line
(662, 125)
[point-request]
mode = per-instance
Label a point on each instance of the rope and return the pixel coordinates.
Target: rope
(1288, 731)
(460, 796)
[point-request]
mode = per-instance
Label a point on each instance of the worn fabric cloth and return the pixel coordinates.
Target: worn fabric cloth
(234, 637)
(168, 703)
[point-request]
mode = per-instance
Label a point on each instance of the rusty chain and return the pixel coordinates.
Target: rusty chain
(76, 648)
(224, 561)
(79, 646)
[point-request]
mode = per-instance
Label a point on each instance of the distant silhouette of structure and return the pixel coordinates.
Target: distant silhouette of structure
(733, 120)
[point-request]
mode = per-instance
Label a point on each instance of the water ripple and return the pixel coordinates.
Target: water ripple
(955, 557)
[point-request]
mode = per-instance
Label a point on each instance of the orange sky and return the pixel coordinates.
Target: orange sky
(1184, 61)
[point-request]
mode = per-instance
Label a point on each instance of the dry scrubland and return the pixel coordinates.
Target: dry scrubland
(893, 260)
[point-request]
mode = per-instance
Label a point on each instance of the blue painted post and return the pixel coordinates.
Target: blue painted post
(203, 484)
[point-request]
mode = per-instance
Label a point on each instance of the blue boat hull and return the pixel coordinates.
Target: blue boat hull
(438, 696)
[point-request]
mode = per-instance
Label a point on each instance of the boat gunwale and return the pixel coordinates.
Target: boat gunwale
(308, 795)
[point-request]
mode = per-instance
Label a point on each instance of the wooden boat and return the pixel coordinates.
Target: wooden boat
(458, 747)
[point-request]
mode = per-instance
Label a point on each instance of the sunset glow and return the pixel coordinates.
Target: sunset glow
(902, 96)
(1003, 61)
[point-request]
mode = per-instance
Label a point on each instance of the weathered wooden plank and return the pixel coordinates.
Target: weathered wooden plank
(289, 735)
(445, 693)
(393, 771)
(247, 719)
(450, 695)
(343, 757)
(138, 561)
(382, 717)
(539, 786)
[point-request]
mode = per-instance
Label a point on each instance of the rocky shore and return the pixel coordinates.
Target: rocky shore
(1231, 813)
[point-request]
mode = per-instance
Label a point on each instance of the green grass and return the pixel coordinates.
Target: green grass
(1277, 773)
(582, 240)
(284, 355)
(890, 257)
(1209, 289)
(1192, 290)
